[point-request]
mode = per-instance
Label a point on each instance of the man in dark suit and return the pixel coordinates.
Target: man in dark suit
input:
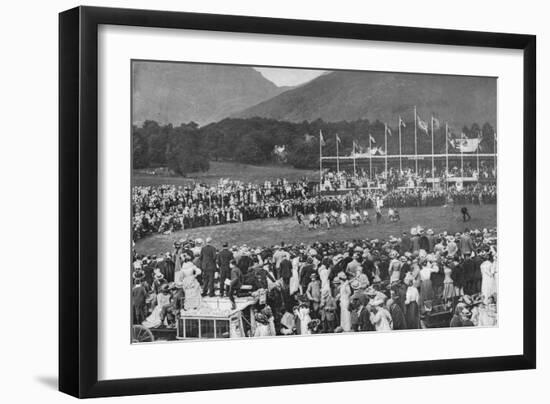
(207, 261)
(285, 271)
(224, 258)
(405, 243)
(139, 297)
(235, 282)
(167, 267)
(465, 243)
(431, 240)
(305, 275)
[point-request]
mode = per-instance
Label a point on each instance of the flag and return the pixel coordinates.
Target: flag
(338, 139)
(435, 122)
(371, 138)
(466, 145)
(421, 124)
(321, 139)
(402, 123)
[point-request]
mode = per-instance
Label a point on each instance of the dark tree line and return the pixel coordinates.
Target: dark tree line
(189, 148)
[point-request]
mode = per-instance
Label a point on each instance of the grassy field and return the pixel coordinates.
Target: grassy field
(235, 171)
(273, 231)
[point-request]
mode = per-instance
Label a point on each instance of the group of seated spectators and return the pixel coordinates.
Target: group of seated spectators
(408, 178)
(330, 287)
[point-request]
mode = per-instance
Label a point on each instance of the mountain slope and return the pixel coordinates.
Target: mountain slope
(182, 92)
(337, 96)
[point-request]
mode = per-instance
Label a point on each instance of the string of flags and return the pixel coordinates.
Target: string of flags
(462, 144)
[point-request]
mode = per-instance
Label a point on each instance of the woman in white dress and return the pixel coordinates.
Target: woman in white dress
(381, 318)
(294, 283)
(324, 274)
(163, 298)
(412, 313)
(488, 278)
(344, 298)
(187, 278)
(449, 291)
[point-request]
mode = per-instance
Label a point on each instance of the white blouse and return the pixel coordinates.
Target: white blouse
(412, 295)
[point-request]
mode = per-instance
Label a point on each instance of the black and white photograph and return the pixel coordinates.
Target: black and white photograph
(274, 201)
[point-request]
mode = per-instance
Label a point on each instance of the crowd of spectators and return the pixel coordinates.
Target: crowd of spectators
(169, 208)
(329, 287)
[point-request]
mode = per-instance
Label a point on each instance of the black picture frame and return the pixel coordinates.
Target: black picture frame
(78, 196)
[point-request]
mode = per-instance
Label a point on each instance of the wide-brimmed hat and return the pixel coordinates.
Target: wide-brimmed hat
(138, 275)
(355, 284)
(159, 276)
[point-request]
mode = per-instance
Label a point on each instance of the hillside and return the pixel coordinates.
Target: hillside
(182, 92)
(349, 96)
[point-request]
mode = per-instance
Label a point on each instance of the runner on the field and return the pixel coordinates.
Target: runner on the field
(465, 214)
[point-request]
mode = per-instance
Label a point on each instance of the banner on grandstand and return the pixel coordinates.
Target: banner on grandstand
(466, 145)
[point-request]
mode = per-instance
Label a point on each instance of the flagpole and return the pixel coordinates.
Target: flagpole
(462, 156)
(477, 154)
(400, 152)
(386, 147)
(446, 149)
(415, 145)
(320, 159)
(433, 161)
(370, 158)
(337, 159)
(354, 166)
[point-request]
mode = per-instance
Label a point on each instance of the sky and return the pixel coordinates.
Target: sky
(288, 77)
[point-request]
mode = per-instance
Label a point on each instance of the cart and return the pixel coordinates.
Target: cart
(217, 319)
(438, 314)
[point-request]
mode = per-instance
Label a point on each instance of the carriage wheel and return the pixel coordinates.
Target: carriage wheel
(141, 334)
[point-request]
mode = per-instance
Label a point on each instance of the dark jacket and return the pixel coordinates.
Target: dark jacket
(465, 244)
(285, 269)
(405, 244)
(305, 275)
(415, 242)
(424, 243)
(244, 263)
(224, 257)
(236, 277)
(398, 317)
(139, 295)
(364, 323)
(208, 258)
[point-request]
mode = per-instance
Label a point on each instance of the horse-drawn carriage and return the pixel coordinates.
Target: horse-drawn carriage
(215, 318)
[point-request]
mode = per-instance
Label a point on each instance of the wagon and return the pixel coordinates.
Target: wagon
(214, 319)
(217, 319)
